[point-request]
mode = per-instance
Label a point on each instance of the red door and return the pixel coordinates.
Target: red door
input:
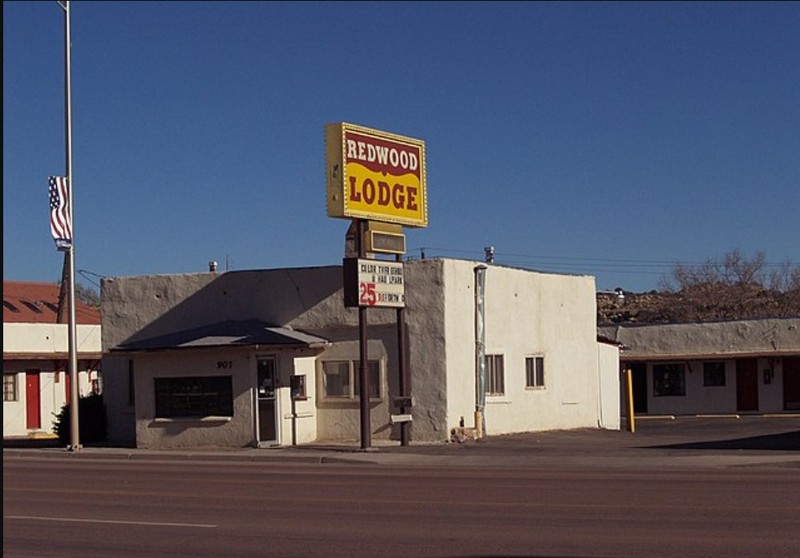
(32, 400)
(791, 384)
(747, 384)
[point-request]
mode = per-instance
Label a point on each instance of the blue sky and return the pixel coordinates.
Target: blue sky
(610, 139)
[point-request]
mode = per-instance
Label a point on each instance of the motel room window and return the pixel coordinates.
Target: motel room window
(9, 387)
(495, 375)
(534, 371)
(713, 374)
(194, 397)
(669, 380)
(340, 379)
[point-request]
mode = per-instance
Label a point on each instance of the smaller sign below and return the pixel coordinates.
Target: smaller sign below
(373, 283)
(385, 238)
(395, 419)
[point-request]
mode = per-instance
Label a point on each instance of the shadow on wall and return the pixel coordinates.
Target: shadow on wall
(278, 297)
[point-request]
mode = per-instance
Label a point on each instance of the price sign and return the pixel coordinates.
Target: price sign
(373, 283)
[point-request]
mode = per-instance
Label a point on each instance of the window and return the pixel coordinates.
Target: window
(534, 372)
(714, 374)
(202, 396)
(340, 379)
(131, 384)
(9, 387)
(669, 380)
(495, 375)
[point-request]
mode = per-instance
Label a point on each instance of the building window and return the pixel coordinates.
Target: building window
(669, 380)
(495, 375)
(196, 397)
(9, 387)
(340, 379)
(534, 372)
(714, 374)
(131, 384)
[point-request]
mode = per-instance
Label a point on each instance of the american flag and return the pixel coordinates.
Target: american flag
(60, 223)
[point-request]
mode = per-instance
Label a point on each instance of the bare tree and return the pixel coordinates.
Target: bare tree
(731, 287)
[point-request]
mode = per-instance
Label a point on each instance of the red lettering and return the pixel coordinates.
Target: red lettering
(355, 195)
(383, 193)
(398, 199)
(369, 191)
(412, 198)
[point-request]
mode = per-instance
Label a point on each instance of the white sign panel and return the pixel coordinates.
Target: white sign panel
(381, 284)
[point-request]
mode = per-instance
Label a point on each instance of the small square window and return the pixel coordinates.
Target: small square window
(669, 380)
(9, 387)
(534, 372)
(495, 375)
(714, 374)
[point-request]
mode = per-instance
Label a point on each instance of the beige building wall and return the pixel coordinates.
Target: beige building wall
(528, 314)
(39, 347)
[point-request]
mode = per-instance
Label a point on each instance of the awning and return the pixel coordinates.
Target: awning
(247, 333)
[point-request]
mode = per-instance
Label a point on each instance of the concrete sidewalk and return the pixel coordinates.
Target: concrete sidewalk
(734, 441)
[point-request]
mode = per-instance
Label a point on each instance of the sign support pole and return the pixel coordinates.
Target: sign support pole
(366, 436)
(402, 367)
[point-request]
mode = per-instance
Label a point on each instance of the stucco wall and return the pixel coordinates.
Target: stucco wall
(527, 314)
(734, 338)
(38, 342)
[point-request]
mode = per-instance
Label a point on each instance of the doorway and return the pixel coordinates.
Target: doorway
(791, 384)
(33, 419)
(267, 401)
(747, 384)
(639, 374)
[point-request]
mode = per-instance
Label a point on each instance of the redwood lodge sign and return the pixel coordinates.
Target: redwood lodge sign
(375, 175)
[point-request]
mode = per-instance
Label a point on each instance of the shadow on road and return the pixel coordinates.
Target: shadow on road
(786, 441)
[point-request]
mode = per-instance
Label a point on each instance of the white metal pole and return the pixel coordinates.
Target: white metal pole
(73, 354)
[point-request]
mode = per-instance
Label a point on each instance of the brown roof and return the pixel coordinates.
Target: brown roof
(37, 303)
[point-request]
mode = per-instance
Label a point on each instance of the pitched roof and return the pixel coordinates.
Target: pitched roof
(226, 334)
(37, 303)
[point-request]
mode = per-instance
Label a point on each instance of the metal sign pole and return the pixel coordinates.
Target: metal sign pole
(402, 367)
(366, 438)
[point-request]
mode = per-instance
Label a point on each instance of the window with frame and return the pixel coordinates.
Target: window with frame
(194, 397)
(9, 387)
(534, 371)
(713, 374)
(341, 379)
(669, 380)
(495, 375)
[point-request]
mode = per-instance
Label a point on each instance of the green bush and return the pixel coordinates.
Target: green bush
(92, 421)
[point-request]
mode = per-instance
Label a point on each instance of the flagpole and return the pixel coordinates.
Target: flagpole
(70, 254)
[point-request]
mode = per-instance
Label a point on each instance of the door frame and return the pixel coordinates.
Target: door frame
(260, 401)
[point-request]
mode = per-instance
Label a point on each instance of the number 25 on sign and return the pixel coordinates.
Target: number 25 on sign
(367, 294)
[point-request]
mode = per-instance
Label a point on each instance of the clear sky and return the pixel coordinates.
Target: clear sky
(610, 139)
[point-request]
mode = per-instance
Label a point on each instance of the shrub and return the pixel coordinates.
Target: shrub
(92, 421)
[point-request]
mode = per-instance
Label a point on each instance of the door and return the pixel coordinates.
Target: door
(791, 384)
(639, 371)
(747, 384)
(33, 402)
(267, 404)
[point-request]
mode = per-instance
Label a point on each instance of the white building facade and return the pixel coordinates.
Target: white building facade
(271, 357)
(743, 366)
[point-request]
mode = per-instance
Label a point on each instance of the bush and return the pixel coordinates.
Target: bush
(92, 421)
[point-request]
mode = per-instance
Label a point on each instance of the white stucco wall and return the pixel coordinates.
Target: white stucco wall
(526, 314)
(42, 344)
(609, 396)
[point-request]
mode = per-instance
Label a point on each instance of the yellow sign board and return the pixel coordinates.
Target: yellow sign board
(375, 175)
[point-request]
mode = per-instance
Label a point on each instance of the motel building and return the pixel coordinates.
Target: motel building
(732, 367)
(36, 380)
(271, 357)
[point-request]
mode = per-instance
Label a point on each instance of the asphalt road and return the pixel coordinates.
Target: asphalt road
(59, 507)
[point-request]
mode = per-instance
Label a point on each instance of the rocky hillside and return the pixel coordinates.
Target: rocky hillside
(701, 303)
